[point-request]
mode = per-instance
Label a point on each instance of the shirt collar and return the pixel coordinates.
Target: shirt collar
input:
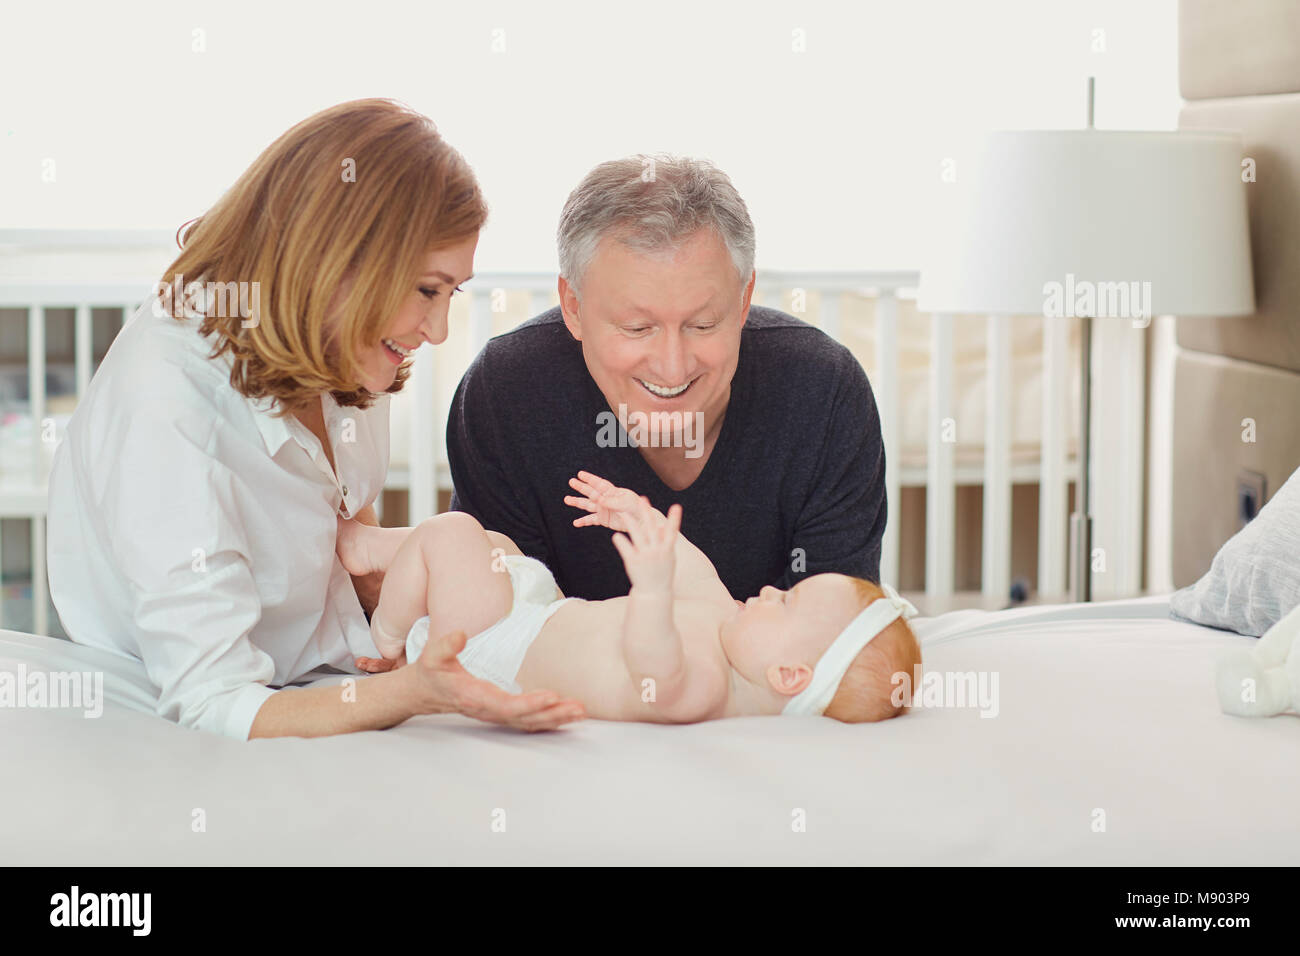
(275, 431)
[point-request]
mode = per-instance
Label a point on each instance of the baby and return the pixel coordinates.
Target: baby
(676, 649)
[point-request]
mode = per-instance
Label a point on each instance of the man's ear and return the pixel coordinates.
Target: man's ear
(789, 679)
(745, 298)
(569, 308)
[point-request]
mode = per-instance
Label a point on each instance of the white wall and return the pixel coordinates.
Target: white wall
(833, 147)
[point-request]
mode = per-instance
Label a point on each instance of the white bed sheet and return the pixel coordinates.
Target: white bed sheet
(1107, 706)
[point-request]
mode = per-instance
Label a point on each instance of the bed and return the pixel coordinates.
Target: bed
(1105, 707)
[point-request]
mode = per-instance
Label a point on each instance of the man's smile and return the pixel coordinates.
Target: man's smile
(665, 391)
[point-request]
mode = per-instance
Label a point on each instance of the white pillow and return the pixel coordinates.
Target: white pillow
(1254, 580)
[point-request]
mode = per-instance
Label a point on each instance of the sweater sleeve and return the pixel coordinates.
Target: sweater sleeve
(481, 469)
(841, 525)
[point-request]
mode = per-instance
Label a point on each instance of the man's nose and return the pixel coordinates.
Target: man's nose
(672, 360)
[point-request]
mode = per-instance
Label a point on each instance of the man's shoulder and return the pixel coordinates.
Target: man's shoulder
(531, 369)
(543, 340)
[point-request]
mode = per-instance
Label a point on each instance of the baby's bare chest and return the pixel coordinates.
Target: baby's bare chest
(580, 653)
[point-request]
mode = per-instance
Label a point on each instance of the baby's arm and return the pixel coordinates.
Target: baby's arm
(608, 504)
(652, 645)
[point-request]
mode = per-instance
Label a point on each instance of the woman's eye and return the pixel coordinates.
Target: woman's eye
(431, 293)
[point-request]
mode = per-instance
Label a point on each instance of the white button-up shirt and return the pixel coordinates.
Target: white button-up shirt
(190, 529)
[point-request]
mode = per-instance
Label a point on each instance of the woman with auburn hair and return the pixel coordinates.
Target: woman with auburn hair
(239, 415)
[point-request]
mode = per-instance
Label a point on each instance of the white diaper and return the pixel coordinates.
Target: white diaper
(497, 654)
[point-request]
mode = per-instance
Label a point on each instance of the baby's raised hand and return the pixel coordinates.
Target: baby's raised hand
(608, 504)
(649, 554)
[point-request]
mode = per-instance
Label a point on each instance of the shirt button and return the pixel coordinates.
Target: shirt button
(345, 491)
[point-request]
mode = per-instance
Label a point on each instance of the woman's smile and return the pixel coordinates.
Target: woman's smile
(393, 354)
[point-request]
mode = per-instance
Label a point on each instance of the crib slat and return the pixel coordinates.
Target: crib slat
(940, 496)
(422, 495)
(1052, 519)
(82, 346)
(36, 387)
(539, 301)
(830, 313)
(1119, 400)
(885, 387)
(40, 586)
(996, 560)
(1159, 568)
(480, 322)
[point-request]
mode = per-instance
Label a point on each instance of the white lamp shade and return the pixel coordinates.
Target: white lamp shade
(1093, 206)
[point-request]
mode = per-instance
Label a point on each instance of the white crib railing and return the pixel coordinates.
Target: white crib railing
(427, 474)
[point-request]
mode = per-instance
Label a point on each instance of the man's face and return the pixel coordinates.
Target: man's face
(660, 332)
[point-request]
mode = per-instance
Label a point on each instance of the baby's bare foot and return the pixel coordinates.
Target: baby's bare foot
(352, 549)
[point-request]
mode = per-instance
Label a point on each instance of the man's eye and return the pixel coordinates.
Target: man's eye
(635, 331)
(707, 328)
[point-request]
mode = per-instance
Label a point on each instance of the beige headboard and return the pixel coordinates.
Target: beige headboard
(1239, 68)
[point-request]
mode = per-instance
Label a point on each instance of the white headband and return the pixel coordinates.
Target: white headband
(813, 700)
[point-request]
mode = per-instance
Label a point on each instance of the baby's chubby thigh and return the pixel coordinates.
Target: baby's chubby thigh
(469, 586)
(503, 543)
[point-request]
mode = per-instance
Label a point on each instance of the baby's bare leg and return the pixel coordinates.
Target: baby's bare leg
(445, 568)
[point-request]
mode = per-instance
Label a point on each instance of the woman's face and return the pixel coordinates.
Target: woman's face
(422, 316)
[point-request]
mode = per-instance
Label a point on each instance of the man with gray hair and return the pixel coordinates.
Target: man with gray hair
(655, 373)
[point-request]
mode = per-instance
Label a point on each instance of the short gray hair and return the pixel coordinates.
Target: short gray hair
(652, 203)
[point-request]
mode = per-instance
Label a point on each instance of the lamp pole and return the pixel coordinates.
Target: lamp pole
(1081, 519)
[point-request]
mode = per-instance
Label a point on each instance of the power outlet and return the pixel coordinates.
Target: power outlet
(1251, 490)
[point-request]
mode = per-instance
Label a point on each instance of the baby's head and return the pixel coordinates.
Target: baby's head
(776, 641)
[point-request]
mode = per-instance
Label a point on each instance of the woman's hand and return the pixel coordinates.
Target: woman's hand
(443, 686)
(609, 505)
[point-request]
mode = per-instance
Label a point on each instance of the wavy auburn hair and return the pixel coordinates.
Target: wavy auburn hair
(866, 691)
(361, 191)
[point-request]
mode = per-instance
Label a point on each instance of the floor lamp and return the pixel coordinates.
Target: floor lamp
(1095, 224)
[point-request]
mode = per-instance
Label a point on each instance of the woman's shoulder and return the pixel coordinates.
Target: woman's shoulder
(160, 366)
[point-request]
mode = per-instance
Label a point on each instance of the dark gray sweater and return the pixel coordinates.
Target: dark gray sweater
(795, 484)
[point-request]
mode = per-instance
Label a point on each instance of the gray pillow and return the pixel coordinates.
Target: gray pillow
(1255, 578)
